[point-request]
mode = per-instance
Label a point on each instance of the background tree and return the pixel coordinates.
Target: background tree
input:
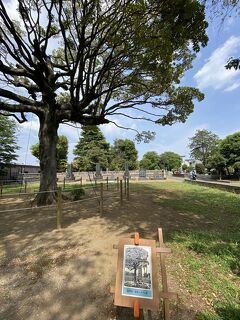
(92, 148)
(150, 161)
(200, 169)
(218, 162)
(184, 167)
(62, 152)
(236, 167)
(123, 151)
(170, 160)
(190, 168)
(8, 142)
(202, 145)
(230, 148)
(68, 59)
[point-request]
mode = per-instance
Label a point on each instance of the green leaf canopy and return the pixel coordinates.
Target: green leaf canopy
(92, 148)
(8, 141)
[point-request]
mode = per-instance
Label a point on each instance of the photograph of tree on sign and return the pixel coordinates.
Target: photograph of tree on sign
(137, 272)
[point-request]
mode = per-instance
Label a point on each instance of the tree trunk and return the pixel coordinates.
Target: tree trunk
(48, 163)
(135, 275)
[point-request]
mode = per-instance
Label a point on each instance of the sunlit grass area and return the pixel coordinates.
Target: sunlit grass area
(206, 254)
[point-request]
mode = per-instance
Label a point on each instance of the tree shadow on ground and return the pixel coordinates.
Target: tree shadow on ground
(31, 235)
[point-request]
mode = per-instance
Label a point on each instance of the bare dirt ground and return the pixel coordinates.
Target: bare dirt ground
(46, 274)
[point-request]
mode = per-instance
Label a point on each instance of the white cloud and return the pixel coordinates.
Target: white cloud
(233, 86)
(72, 133)
(110, 128)
(213, 74)
(112, 131)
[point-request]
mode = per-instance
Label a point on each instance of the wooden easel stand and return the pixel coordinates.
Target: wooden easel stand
(165, 294)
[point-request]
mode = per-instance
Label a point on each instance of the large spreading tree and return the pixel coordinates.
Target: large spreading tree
(89, 61)
(8, 142)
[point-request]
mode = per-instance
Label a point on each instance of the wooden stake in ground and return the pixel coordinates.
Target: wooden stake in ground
(81, 181)
(117, 183)
(107, 183)
(59, 208)
(64, 181)
(25, 190)
(121, 192)
(164, 276)
(127, 188)
(101, 199)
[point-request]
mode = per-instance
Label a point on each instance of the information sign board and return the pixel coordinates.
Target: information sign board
(137, 274)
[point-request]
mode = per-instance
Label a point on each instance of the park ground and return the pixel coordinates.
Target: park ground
(48, 274)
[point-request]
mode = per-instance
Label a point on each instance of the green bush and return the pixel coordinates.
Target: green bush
(77, 193)
(200, 169)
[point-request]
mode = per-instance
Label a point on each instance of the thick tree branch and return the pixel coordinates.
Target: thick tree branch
(23, 118)
(14, 71)
(23, 100)
(20, 108)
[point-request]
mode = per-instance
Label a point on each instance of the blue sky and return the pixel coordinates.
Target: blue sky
(219, 112)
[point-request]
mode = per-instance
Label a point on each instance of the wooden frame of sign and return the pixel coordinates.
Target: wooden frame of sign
(125, 294)
(145, 292)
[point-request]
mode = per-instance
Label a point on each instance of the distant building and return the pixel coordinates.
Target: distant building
(17, 171)
(191, 162)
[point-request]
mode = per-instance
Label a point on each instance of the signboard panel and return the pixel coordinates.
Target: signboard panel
(137, 274)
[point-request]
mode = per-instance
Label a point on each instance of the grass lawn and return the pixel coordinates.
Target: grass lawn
(206, 258)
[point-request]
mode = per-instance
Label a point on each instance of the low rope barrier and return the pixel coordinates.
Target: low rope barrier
(61, 204)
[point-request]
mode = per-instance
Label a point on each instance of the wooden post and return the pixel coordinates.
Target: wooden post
(59, 208)
(101, 199)
(121, 191)
(136, 310)
(95, 183)
(164, 276)
(117, 183)
(107, 183)
(81, 181)
(64, 183)
(127, 188)
(25, 186)
(1, 189)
